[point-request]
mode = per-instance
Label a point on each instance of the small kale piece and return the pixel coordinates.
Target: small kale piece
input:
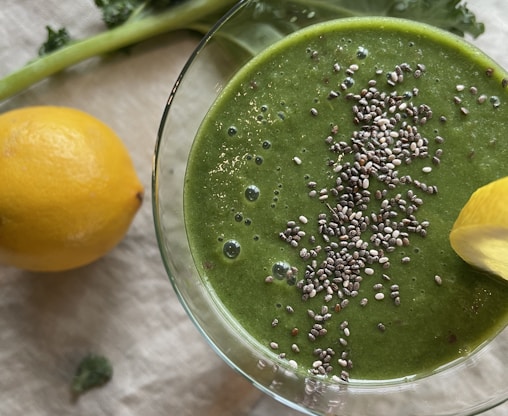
(93, 371)
(116, 12)
(56, 39)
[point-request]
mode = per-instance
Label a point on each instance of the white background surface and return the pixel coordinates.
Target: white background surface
(122, 306)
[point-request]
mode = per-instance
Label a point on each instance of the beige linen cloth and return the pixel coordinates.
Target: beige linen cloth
(122, 306)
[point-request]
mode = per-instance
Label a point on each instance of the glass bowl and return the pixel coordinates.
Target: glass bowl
(470, 387)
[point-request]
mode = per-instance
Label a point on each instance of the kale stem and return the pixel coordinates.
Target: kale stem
(177, 17)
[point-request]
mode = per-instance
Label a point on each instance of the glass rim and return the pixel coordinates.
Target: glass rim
(362, 386)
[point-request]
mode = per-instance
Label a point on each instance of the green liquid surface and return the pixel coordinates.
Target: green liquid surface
(327, 177)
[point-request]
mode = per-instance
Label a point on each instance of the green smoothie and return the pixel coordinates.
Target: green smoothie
(321, 189)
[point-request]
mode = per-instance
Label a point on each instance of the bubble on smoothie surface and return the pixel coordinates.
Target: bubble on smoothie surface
(232, 130)
(362, 52)
(231, 249)
(252, 193)
(280, 270)
(349, 82)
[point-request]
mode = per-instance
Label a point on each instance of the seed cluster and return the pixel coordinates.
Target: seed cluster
(386, 139)
(371, 209)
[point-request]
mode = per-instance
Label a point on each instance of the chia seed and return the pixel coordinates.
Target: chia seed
(438, 280)
(394, 294)
(482, 98)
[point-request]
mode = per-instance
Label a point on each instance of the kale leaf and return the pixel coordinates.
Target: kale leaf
(93, 371)
(445, 14)
(56, 39)
(116, 12)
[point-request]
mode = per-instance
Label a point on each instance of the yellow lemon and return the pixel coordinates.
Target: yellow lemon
(68, 188)
(480, 233)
